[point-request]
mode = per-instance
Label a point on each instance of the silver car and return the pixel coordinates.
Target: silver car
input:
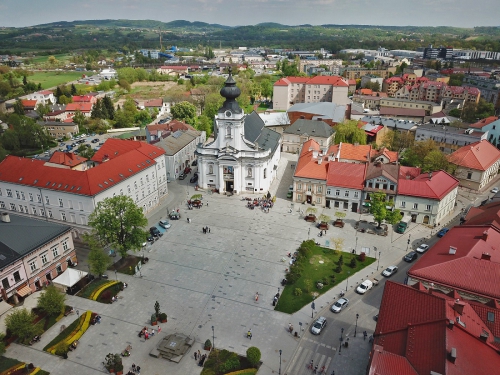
(422, 248)
(389, 271)
(339, 305)
(318, 325)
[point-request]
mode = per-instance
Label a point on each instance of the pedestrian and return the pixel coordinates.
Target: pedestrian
(159, 329)
(146, 335)
(133, 367)
(333, 372)
(195, 356)
(138, 368)
(199, 354)
(315, 369)
(207, 203)
(153, 332)
(311, 364)
(208, 230)
(364, 335)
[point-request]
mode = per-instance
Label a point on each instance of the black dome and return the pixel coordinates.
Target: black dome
(230, 91)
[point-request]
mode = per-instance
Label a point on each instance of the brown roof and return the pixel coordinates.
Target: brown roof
(389, 111)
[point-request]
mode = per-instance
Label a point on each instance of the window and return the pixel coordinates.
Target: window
(34, 210)
(228, 132)
(299, 197)
(65, 245)
(265, 172)
(147, 178)
(210, 169)
(346, 194)
(55, 252)
(299, 186)
(13, 207)
(403, 204)
(18, 196)
(50, 214)
(318, 200)
(415, 206)
(142, 182)
(63, 216)
(17, 276)
(60, 202)
(44, 258)
(47, 200)
(319, 189)
(42, 212)
(32, 265)
(128, 188)
(2, 204)
(121, 191)
(249, 172)
(135, 184)
(356, 194)
(337, 193)
(39, 198)
(1, 192)
(469, 175)
(428, 207)
(5, 283)
(491, 316)
(21, 209)
(22, 196)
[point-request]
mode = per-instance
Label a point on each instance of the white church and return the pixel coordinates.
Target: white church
(244, 156)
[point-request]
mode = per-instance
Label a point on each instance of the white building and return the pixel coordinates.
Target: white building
(108, 74)
(244, 155)
(42, 97)
(70, 193)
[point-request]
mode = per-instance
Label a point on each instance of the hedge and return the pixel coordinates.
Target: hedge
(248, 371)
(95, 294)
(73, 332)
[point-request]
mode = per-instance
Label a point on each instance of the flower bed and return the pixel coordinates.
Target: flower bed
(10, 366)
(72, 333)
(91, 287)
(96, 293)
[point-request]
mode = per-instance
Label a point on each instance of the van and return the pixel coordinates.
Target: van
(364, 286)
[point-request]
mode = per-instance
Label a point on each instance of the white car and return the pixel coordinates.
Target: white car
(318, 325)
(389, 271)
(339, 305)
(422, 248)
(164, 224)
(364, 286)
(494, 190)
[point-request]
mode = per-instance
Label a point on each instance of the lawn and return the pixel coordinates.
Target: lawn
(126, 265)
(45, 58)
(89, 288)
(53, 79)
(218, 360)
(317, 265)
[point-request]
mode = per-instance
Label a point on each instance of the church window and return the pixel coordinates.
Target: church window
(210, 169)
(228, 132)
(265, 172)
(249, 172)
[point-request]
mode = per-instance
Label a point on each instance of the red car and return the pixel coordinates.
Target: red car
(187, 170)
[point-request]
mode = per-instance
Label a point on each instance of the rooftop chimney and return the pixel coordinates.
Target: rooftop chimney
(315, 154)
(459, 307)
(484, 336)
(320, 159)
(486, 256)
(453, 250)
(5, 217)
(451, 324)
(430, 176)
(453, 355)
(484, 237)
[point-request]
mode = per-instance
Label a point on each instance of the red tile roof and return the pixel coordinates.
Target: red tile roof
(392, 156)
(308, 166)
(153, 103)
(409, 172)
(45, 92)
(116, 148)
(83, 98)
(478, 155)
(482, 123)
(318, 80)
(418, 331)
(348, 175)
(66, 158)
(79, 106)
(29, 103)
(349, 151)
(464, 271)
(437, 187)
(488, 214)
(174, 67)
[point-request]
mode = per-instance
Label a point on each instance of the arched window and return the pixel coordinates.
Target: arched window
(210, 169)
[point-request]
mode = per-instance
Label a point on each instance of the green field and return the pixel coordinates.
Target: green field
(53, 79)
(44, 58)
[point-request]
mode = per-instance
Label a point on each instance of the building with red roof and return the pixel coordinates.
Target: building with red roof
(477, 164)
(430, 333)
(69, 159)
(60, 191)
(351, 153)
(29, 105)
(466, 260)
(43, 97)
(84, 99)
(291, 90)
(428, 197)
(173, 70)
(344, 185)
(488, 214)
(84, 107)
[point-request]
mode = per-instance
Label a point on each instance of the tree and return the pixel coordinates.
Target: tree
(51, 301)
(414, 156)
(183, 111)
(19, 108)
(73, 89)
(42, 109)
(348, 132)
(79, 118)
(435, 161)
(118, 222)
(380, 211)
(86, 151)
(253, 355)
(98, 259)
(20, 323)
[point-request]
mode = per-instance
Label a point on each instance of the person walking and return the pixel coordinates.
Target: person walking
(153, 332)
(159, 329)
(364, 335)
(195, 356)
(208, 230)
(138, 368)
(311, 364)
(133, 367)
(199, 354)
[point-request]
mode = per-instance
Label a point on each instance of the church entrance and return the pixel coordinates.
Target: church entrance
(229, 185)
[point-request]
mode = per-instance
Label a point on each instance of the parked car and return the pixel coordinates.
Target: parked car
(289, 194)
(318, 325)
(364, 286)
(410, 257)
(194, 179)
(339, 305)
(194, 163)
(442, 232)
(164, 224)
(155, 232)
(95, 140)
(494, 190)
(182, 176)
(422, 248)
(389, 271)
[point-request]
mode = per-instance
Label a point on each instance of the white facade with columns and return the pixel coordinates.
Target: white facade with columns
(245, 154)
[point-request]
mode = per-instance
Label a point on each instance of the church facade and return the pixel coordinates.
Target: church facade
(244, 156)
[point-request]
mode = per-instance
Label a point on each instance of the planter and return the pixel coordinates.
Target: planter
(112, 370)
(154, 323)
(163, 320)
(208, 348)
(119, 372)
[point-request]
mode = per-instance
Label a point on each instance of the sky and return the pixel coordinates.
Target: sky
(461, 13)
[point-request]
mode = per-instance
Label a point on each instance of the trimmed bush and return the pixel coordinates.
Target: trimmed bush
(297, 292)
(352, 264)
(253, 355)
(362, 257)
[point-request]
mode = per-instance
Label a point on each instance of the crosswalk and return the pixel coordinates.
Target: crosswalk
(300, 364)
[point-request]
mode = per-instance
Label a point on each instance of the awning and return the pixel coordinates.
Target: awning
(366, 204)
(24, 291)
(69, 277)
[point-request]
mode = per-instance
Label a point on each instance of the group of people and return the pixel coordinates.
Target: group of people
(96, 320)
(147, 333)
(200, 358)
(206, 230)
(135, 370)
(114, 299)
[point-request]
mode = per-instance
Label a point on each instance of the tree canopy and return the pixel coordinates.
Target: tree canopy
(184, 111)
(51, 301)
(118, 222)
(348, 132)
(379, 210)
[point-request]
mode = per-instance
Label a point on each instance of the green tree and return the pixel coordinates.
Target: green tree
(124, 84)
(204, 124)
(42, 109)
(85, 151)
(253, 355)
(414, 156)
(379, 210)
(118, 222)
(10, 140)
(348, 132)
(98, 259)
(435, 161)
(73, 89)
(184, 111)
(20, 323)
(19, 108)
(79, 118)
(51, 301)
(109, 107)
(3, 155)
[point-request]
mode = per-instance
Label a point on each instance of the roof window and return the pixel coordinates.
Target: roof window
(35, 181)
(78, 188)
(106, 182)
(100, 186)
(47, 184)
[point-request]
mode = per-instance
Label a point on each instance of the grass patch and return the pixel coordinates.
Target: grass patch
(218, 360)
(317, 264)
(91, 287)
(65, 333)
(126, 265)
(6, 363)
(53, 79)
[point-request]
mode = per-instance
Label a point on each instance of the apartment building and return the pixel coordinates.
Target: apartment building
(490, 88)
(357, 73)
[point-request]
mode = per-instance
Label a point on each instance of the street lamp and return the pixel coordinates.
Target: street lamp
(341, 339)
(213, 337)
(279, 372)
(378, 263)
(347, 283)
(356, 326)
(116, 276)
(277, 301)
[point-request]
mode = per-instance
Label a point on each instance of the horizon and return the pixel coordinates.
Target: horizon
(451, 13)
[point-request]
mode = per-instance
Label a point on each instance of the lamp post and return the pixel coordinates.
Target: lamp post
(356, 326)
(378, 263)
(279, 371)
(116, 276)
(341, 339)
(213, 337)
(277, 301)
(347, 280)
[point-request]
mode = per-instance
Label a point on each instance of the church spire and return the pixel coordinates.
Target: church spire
(230, 91)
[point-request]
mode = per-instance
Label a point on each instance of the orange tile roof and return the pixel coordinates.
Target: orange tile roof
(29, 103)
(482, 123)
(348, 175)
(79, 106)
(318, 80)
(114, 148)
(478, 155)
(349, 151)
(66, 158)
(308, 166)
(391, 155)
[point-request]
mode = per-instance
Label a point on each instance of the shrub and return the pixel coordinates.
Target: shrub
(253, 355)
(297, 292)
(352, 264)
(230, 364)
(338, 269)
(325, 281)
(208, 344)
(163, 316)
(308, 285)
(362, 257)
(305, 251)
(292, 277)
(341, 260)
